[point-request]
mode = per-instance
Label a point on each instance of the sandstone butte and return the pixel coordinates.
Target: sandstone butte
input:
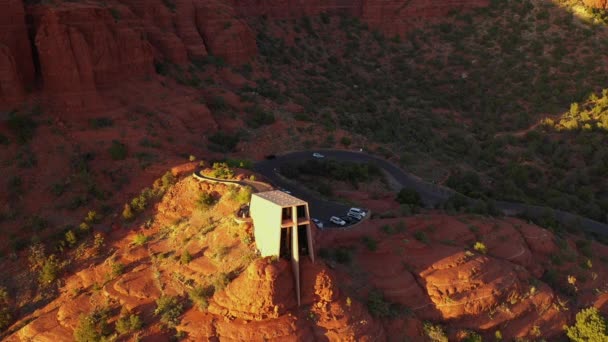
(444, 280)
(66, 53)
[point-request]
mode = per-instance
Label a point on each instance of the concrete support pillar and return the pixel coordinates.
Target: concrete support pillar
(295, 252)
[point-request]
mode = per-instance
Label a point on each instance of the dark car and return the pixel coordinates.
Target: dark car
(270, 157)
(347, 219)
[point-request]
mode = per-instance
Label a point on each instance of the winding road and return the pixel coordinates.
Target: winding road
(430, 194)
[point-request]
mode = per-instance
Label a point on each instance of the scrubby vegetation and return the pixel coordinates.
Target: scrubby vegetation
(590, 326)
(169, 309)
(500, 71)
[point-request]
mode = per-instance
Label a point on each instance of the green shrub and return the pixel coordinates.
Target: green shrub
(480, 247)
(70, 238)
(186, 257)
(140, 239)
(93, 327)
(128, 324)
(370, 243)
(259, 117)
(421, 236)
(220, 281)
(590, 326)
(410, 197)
(101, 122)
(380, 308)
(117, 269)
(22, 126)
(127, 213)
(472, 337)
(5, 312)
(435, 332)
(346, 141)
(118, 150)
(205, 201)
(222, 171)
(200, 296)
(169, 309)
(49, 271)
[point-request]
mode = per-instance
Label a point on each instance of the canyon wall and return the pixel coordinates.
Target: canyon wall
(75, 49)
(16, 67)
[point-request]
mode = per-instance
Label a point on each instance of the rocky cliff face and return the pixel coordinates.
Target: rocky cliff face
(596, 3)
(16, 67)
(82, 47)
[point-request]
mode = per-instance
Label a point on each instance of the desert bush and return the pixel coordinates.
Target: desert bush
(590, 326)
(220, 281)
(101, 122)
(435, 332)
(259, 117)
(118, 150)
(200, 296)
(140, 239)
(370, 243)
(169, 309)
(186, 257)
(379, 307)
(205, 201)
(128, 324)
(117, 269)
(22, 126)
(409, 197)
(93, 327)
(127, 212)
(71, 238)
(5, 312)
(222, 171)
(421, 236)
(49, 270)
(480, 247)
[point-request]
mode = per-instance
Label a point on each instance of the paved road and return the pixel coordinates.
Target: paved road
(322, 209)
(430, 194)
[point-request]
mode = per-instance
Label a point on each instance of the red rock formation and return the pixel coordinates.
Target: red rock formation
(187, 30)
(596, 3)
(83, 47)
(156, 20)
(11, 85)
(225, 35)
(16, 67)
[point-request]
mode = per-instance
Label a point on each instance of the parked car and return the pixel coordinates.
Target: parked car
(347, 219)
(318, 155)
(318, 222)
(354, 215)
(357, 211)
(337, 220)
(270, 157)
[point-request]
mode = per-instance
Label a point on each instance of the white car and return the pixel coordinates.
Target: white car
(318, 155)
(337, 220)
(357, 211)
(318, 223)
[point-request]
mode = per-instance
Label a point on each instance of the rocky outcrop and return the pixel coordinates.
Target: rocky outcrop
(224, 34)
(602, 4)
(85, 47)
(156, 20)
(265, 290)
(16, 66)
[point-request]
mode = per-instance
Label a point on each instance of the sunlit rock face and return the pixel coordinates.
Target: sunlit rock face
(602, 4)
